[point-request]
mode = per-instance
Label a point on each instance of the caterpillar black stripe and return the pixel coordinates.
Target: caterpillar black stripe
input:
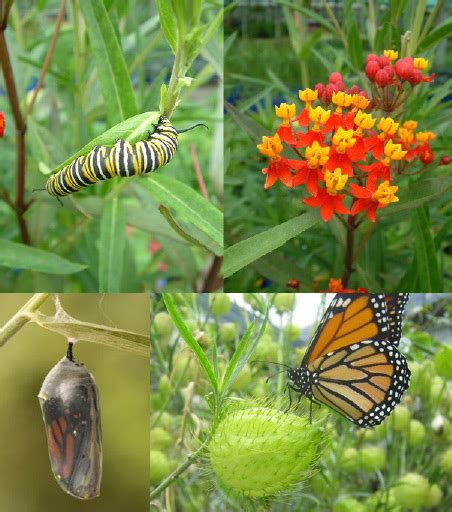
(122, 159)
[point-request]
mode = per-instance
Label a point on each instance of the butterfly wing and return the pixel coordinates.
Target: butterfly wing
(362, 383)
(395, 305)
(352, 365)
(348, 320)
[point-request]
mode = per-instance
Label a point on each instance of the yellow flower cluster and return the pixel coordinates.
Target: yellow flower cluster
(335, 181)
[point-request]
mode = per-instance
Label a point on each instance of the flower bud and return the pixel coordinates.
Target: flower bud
(401, 418)
(284, 302)
(160, 439)
(404, 68)
(446, 462)
(435, 495)
(371, 69)
(160, 466)
(372, 458)
(228, 331)
(416, 433)
(411, 490)
(163, 323)
(260, 451)
(349, 505)
(445, 160)
(221, 303)
(371, 57)
(335, 77)
(381, 77)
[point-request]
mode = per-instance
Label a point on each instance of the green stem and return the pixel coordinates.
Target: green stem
(431, 19)
(334, 21)
(21, 317)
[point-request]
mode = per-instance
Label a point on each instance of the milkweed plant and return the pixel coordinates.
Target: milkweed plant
(347, 151)
(224, 435)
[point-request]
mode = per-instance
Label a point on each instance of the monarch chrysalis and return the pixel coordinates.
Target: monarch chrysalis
(69, 402)
(122, 159)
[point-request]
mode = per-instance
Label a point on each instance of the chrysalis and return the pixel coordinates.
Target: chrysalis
(69, 401)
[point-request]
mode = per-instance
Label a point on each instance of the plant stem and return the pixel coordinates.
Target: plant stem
(211, 282)
(364, 240)
(20, 207)
(191, 459)
(48, 57)
(349, 246)
(21, 318)
(333, 19)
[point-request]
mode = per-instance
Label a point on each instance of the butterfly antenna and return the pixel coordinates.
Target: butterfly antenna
(191, 128)
(270, 362)
(274, 375)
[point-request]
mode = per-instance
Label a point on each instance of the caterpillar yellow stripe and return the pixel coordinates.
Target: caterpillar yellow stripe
(122, 159)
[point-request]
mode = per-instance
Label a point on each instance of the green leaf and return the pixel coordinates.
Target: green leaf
(355, 47)
(189, 205)
(20, 256)
(168, 22)
(133, 129)
(426, 260)
(190, 340)
(309, 14)
(245, 252)
(243, 352)
(250, 127)
(417, 194)
(112, 244)
(442, 32)
(115, 84)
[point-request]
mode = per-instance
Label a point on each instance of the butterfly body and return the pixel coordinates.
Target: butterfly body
(353, 364)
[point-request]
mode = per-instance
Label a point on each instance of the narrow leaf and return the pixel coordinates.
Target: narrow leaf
(20, 256)
(191, 341)
(245, 252)
(115, 84)
(168, 22)
(426, 258)
(112, 244)
(188, 204)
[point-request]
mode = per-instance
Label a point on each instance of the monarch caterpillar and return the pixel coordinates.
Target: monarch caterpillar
(122, 159)
(353, 364)
(69, 402)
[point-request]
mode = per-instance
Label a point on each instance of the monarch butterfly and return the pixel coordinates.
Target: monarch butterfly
(352, 365)
(69, 402)
(122, 159)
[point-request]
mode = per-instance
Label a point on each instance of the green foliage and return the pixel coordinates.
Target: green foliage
(407, 248)
(111, 62)
(355, 469)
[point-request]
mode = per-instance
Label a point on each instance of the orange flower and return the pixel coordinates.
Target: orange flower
(307, 96)
(286, 112)
(372, 198)
(279, 167)
(328, 203)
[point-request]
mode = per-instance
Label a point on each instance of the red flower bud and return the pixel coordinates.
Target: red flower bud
(330, 88)
(2, 124)
(404, 68)
(371, 69)
(445, 160)
(335, 77)
(427, 156)
(390, 71)
(370, 57)
(363, 93)
(381, 77)
(319, 87)
(416, 77)
(383, 61)
(354, 89)
(340, 85)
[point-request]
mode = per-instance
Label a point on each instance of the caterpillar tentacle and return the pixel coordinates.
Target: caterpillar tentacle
(122, 159)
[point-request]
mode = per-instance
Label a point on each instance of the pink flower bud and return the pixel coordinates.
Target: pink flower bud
(330, 88)
(371, 68)
(404, 68)
(383, 61)
(370, 57)
(335, 77)
(340, 85)
(354, 89)
(381, 77)
(416, 76)
(319, 87)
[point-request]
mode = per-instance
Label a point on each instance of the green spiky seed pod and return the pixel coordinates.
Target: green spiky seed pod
(260, 451)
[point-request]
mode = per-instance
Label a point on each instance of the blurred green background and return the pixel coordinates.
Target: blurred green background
(26, 481)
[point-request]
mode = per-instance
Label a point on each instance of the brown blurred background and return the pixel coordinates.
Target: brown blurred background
(26, 480)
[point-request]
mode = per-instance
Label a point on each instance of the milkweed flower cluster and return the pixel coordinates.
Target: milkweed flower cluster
(343, 147)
